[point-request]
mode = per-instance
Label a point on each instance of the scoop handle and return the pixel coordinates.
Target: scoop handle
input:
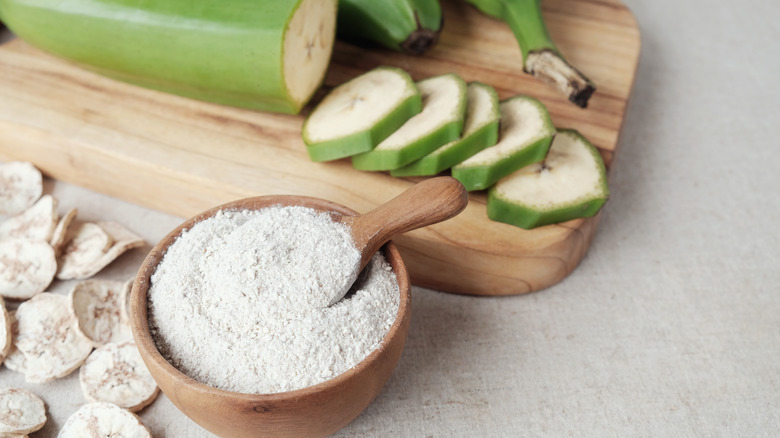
(428, 202)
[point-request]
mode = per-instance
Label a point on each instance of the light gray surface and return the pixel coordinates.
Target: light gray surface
(671, 324)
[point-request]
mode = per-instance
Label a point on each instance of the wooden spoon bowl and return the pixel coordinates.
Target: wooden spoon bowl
(318, 410)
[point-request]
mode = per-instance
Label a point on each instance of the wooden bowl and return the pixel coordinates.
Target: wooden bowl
(317, 410)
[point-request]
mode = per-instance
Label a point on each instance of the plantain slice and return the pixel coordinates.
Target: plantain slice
(524, 138)
(21, 412)
(439, 122)
(35, 223)
(480, 130)
(570, 183)
(14, 359)
(27, 267)
(47, 335)
(357, 115)
(101, 419)
(21, 184)
(5, 331)
(97, 305)
(61, 230)
(115, 373)
(90, 247)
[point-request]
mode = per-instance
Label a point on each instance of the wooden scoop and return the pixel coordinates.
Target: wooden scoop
(428, 202)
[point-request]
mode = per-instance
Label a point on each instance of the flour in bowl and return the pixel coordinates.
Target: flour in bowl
(237, 300)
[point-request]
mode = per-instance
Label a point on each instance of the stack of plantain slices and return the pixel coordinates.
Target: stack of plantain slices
(535, 175)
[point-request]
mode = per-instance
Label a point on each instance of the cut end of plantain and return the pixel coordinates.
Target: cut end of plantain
(525, 134)
(308, 44)
(570, 183)
(357, 115)
(268, 56)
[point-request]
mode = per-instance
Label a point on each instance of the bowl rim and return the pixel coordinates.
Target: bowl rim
(139, 321)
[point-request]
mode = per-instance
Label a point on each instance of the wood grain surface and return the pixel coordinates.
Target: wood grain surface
(183, 156)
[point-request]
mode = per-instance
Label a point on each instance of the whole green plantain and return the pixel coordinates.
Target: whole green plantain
(266, 55)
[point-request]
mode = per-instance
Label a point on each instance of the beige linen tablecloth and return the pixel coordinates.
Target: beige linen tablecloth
(671, 324)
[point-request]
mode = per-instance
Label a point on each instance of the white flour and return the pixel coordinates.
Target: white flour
(236, 301)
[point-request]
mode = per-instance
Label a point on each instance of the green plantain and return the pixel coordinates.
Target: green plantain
(270, 56)
(410, 26)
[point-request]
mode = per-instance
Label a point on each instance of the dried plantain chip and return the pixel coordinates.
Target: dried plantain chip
(80, 257)
(5, 331)
(27, 267)
(21, 184)
(35, 223)
(115, 373)
(85, 243)
(125, 300)
(103, 420)
(47, 334)
(61, 230)
(14, 359)
(97, 305)
(21, 412)
(124, 240)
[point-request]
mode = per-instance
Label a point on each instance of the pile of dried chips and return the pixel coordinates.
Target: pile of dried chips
(36, 244)
(50, 335)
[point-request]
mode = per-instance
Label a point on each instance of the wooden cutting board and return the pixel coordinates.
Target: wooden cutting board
(182, 156)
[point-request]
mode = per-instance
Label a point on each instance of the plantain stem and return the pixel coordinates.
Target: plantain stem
(422, 38)
(541, 57)
(550, 67)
